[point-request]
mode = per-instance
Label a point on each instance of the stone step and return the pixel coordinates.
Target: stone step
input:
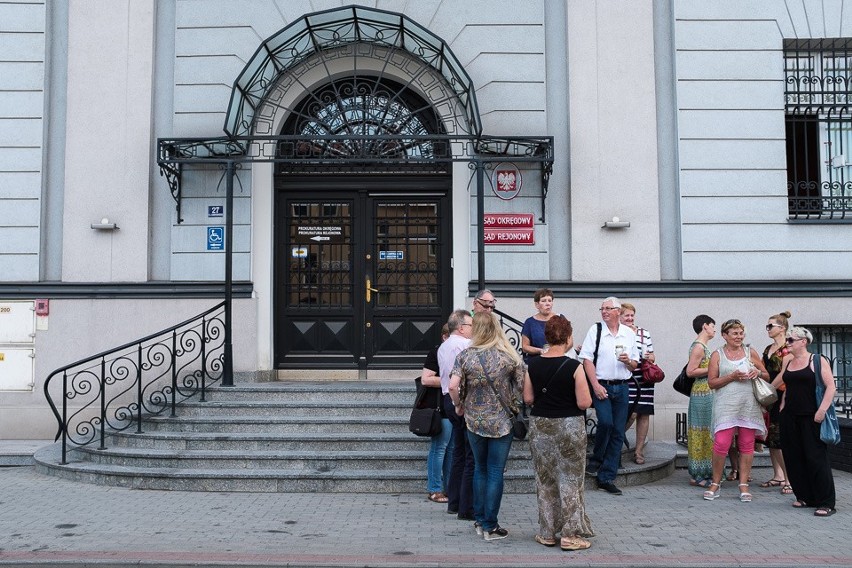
(250, 441)
(294, 408)
(279, 424)
(659, 464)
(401, 392)
(292, 460)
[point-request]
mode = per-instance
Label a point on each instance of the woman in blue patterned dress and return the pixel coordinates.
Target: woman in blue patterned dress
(700, 415)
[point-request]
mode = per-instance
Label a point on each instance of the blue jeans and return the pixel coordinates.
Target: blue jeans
(609, 436)
(489, 458)
(440, 459)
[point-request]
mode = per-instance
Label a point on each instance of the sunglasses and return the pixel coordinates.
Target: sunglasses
(792, 340)
(769, 326)
(487, 305)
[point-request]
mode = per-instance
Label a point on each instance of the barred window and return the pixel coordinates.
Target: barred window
(818, 98)
(835, 343)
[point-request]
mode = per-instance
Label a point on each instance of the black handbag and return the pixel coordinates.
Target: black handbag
(425, 420)
(683, 383)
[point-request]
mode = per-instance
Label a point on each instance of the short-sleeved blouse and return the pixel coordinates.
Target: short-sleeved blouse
(483, 412)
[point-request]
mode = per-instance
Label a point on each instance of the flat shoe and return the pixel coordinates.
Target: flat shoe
(639, 460)
(438, 497)
(773, 483)
(787, 490)
(574, 543)
(545, 541)
(824, 512)
(799, 504)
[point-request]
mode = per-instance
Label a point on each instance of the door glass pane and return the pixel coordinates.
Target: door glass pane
(320, 238)
(406, 249)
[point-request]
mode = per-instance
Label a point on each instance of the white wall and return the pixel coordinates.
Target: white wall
(22, 101)
(109, 139)
(733, 177)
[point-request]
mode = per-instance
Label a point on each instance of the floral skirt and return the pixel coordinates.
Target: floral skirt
(699, 433)
(558, 448)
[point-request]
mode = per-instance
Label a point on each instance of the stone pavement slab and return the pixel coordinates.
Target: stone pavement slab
(45, 521)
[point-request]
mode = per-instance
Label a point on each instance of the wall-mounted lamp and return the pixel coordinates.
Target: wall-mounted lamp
(105, 225)
(616, 223)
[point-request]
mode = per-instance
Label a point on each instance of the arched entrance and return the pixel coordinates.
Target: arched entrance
(362, 273)
(362, 93)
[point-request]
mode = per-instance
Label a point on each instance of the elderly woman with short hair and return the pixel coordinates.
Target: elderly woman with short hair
(805, 455)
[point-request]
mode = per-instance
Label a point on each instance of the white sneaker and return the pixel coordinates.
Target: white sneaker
(478, 528)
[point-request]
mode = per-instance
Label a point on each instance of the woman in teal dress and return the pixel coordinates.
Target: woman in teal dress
(700, 416)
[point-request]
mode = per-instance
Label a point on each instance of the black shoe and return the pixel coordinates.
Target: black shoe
(467, 517)
(609, 488)
(496, 533)
(592, 468)
(451, 512)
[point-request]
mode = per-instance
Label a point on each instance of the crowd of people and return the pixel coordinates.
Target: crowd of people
(484, 384)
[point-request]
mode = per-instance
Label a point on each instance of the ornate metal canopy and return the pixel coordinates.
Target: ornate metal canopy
(330, 29)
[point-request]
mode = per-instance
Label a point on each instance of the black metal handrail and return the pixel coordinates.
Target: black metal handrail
(512, 328)
(113, 389)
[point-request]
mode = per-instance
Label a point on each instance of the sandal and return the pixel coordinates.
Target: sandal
(574, 543)
(773, 483)
(787, 490)
(745, 496)
(545, 541)
(734, 475)
(709, 495)
(700, 482)
(438, 497)
(639, 459)
(799, 504)
(824, 511)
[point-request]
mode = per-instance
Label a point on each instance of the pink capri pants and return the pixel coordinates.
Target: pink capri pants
(723, 439)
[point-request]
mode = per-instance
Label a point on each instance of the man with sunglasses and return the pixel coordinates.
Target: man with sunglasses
(609, 356)
(484, 301)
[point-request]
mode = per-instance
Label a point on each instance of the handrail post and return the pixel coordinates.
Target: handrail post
(228, 363)
(480, 223)
(64, 418)
(103, 404)
(174, 374)
(203, 359)
(139, 389)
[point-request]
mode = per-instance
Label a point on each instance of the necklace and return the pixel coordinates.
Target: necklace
(731, 352)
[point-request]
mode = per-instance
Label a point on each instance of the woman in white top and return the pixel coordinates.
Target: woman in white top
(735, 410)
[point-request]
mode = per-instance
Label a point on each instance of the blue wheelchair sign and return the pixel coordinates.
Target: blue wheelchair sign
(215, 238)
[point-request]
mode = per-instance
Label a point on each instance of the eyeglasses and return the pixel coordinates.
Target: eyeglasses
(609, 309)
(792, 340)
(464, 324)
(769, 326)
(486, 304)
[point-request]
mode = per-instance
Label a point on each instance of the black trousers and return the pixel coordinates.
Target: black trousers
(806, 458)
(460, 485)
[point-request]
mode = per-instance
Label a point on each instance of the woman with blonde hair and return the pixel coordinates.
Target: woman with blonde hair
(485, 388)
(805, 454)
(773, 360)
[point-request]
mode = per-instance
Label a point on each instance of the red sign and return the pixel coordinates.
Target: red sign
(508, 220)
(510, 236)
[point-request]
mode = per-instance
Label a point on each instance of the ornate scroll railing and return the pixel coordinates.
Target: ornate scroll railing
(113, 390)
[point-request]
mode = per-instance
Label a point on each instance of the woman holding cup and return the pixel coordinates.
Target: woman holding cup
(533, 341)
(735, 409)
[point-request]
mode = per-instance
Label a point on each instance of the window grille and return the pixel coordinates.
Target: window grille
(818, 105)
(835, 343)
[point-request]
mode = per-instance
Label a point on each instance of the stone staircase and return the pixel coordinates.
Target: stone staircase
(334, 437)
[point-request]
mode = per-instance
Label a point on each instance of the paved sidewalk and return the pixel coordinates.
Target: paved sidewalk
(49, 521)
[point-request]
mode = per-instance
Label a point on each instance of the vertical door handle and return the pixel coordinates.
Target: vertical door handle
(370, 290)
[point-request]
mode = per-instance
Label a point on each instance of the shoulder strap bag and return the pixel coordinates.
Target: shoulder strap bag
(829, 430)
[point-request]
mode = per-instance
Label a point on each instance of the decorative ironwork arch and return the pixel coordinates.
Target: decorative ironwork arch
(325, 31)
(364, 116)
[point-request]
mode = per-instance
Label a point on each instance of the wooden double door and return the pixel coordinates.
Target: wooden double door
(362, 276)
